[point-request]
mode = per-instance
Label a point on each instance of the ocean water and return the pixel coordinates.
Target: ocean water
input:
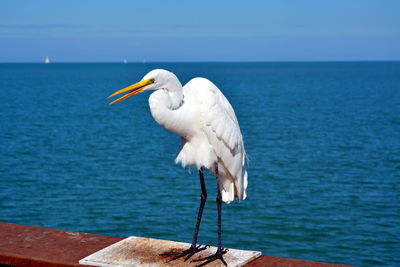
(323, 141)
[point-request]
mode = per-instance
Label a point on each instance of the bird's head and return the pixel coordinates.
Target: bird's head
(154, 80)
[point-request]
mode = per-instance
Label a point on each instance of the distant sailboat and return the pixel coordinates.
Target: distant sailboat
(125, 61)
(144, 61)
(47, 60)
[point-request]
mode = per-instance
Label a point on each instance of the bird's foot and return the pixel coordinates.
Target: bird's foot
(187, 253)
(218, 255)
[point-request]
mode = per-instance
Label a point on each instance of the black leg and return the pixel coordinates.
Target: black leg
(201, 208)
(194, 248)
(220, 250)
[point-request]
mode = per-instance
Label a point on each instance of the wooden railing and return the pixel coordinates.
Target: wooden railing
(22, 245)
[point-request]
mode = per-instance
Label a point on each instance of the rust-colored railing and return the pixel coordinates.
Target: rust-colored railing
(22, 245)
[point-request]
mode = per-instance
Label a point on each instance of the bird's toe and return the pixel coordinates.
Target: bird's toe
(217, 256)
(187, 253)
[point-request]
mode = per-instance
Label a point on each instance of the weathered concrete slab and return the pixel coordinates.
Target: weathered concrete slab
(140, 251)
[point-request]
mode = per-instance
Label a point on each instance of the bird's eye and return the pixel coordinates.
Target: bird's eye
(152, 80)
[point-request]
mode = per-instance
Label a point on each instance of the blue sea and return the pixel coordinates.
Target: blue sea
(323, 141)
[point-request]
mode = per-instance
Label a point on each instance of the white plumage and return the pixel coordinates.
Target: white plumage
(206, 122)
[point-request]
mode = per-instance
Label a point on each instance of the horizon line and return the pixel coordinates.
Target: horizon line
(199, 61)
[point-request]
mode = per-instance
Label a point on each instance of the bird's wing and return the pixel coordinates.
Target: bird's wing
(217, 114)
(221, 126)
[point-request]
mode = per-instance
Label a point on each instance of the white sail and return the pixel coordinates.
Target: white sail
(47, 60)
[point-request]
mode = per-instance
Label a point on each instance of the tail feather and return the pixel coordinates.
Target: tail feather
(231, 187)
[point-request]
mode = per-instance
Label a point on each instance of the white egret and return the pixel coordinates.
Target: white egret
(210, 135)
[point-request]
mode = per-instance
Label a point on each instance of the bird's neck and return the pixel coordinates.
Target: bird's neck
(167, 109)
(175, 99)
(173, 93)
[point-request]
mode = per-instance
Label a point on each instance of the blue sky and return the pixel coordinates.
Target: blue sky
(285, 30)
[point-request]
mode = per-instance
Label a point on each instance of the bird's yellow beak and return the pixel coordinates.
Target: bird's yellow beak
(135, 89)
